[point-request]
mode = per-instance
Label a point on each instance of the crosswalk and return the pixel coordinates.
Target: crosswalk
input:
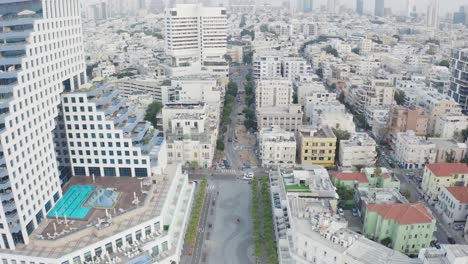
(227, 171)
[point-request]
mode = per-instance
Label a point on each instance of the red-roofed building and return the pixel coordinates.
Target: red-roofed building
(350, 179)
(404, 227)
(453, 204)
(439, 175)
(367, 177)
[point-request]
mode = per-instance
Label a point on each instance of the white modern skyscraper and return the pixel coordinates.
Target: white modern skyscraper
(196, 36)
(331, 6)
(41, 55)
(432, 17)
(410, 7)
(379, 8)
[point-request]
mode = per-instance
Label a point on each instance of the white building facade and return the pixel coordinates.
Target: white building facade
(41, 56)
(412, 152)
(273, 92)
(359, 150)
(277, 148)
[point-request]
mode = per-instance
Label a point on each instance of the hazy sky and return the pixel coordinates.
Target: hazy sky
(400, 5)
(396, 5)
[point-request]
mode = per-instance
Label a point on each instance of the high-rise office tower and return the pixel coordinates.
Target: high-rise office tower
(196, 35)
(156, 6)
(460, 16)
(331, 6)
(41, 48)
(458, 89)
(307, 5)
(379, 10)
(410, 8)
(360, 7)
(432, 16)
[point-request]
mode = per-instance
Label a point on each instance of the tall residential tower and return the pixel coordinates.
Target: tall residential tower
(41, 55)
(196, 37)
(458, 81)
(379, 8)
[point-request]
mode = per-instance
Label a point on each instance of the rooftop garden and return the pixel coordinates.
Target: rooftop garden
(297, 187)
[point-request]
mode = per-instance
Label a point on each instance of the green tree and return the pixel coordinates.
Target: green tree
(152, 111)
(400, 97)
(249, 100)
(444, 63)
(248, 32)
(319, 73)
(264, 28)
(340, 135)
(248, 57)
(386, 242)
(249, 113)
(330, 50)
(464, 133)
(220, 145)
(250, 124)
(249, 87)
(248, 77)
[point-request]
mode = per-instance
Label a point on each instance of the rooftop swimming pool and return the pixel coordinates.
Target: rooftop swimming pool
(71, 204)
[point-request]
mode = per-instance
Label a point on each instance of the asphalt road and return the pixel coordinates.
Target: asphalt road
(230, 241)
(237, 74)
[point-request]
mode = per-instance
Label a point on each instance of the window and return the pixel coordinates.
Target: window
(141, 172)
(125, 172)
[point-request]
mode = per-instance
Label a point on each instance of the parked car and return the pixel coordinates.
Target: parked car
(355, 213)
(435, 243)
(451, 240)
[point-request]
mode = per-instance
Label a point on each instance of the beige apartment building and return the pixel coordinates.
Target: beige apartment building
(402, 119)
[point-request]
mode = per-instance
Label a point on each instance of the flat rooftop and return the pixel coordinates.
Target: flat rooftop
(48, 241)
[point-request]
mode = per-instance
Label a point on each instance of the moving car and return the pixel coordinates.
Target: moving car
(341, 212)
(248, 176)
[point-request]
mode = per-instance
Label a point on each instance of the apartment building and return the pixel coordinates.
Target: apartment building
(365, 196)
(98, 118)
(453, 204)
(402, 119)
(403, 227)
(449, 150)
(292, 67)
(307, 202)
(288, 117)
(140, 85)
(458, 88)
(191, 131)
(277, 147)
(192, 90)
(317, 147)
(273, 92)
(31, 81)
(450, 125)
(368, 177)
(412, 151)
(195, 39)
(439, 175)
(359, 150)
(266, 65)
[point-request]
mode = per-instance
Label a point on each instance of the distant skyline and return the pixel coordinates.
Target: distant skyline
(396, 5)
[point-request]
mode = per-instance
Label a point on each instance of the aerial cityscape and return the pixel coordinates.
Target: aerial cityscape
(234, 131)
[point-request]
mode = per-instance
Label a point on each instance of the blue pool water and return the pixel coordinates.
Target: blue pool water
(102, 198)
(70, 204)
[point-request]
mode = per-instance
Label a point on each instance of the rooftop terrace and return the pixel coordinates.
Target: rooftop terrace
(56, 237)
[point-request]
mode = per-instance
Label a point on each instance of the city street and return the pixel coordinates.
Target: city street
(225, 229)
